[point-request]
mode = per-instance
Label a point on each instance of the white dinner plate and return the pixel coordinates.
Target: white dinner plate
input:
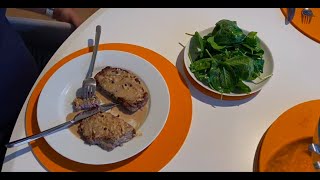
(267, 68)
(56, 97)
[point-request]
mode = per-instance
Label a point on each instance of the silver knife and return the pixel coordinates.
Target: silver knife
(77, 118)
(291, 12)
(315, 148)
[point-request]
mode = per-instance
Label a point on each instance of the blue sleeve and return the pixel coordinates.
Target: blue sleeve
(2, 12)
(18, 72)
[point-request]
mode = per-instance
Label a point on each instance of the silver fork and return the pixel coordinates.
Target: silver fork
(306, 16)
(317, 165)
(316, 149)
(89, 84)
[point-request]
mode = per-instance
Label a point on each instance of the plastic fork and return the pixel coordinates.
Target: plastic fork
(306, 16)
(89, 84)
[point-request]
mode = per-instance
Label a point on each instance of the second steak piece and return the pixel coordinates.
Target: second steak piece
(123, 86)
(106, 131)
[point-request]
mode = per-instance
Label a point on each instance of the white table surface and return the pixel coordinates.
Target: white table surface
(223, 138)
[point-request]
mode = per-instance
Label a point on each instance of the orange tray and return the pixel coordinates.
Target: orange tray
(311, 30)
(156, 155)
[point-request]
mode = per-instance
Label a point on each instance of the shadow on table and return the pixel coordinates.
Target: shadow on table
(201, 96)
(255, 167)
(16, 154)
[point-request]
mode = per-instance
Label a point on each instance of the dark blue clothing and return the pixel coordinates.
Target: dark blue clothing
(22, 57)
(18, 72)
(2, 12)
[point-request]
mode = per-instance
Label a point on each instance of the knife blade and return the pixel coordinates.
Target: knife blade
(91, 112)
(291, 12)
(315, 147)
(317, 134)
(77, 118)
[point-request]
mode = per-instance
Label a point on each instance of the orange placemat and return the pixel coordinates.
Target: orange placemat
(311, 30)
(155, 156)
(285, 144)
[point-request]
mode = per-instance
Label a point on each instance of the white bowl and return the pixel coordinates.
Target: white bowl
(267, 68)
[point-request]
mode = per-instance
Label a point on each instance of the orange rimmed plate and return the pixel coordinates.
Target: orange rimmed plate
(55, 104)
(284, 146)
(155, 156)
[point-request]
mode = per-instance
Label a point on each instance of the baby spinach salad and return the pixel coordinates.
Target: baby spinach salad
(226, 57)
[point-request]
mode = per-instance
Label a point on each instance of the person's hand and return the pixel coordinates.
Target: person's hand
(67, 15)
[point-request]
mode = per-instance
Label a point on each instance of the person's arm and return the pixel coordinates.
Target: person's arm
(36, 10)
(61, 14)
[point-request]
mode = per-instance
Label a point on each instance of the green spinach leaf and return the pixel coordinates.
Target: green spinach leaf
(252, 40)
(214, 79)
(203, 77)
(227, 32)
(196, 47)
(222, 79)
(214, 45)
(201, 64)
(258, 65)
(243, 66)
(242, 88)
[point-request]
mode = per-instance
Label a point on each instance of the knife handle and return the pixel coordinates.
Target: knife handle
(59, 127)
(40, 135)
(77, 118)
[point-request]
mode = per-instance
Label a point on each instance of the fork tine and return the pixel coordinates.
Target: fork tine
(84, 93)
(90, 91)
(310, 18)
(305, 19)
(93, 90)
(87, 92)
